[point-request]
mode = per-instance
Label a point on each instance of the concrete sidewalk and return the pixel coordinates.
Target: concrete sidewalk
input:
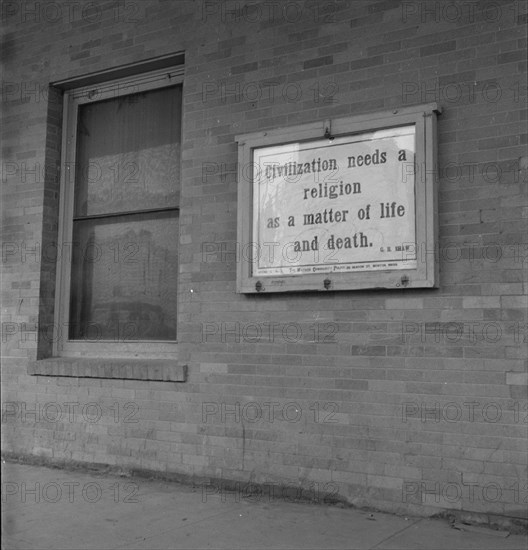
(51, 508)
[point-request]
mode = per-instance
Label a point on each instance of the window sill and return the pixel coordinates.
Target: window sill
(119, 369)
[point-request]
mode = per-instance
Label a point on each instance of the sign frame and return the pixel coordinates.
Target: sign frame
(424, 275)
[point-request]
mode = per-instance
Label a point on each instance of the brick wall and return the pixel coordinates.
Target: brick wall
(412, 401)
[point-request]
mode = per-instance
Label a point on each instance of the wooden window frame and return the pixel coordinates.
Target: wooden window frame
(73, 98)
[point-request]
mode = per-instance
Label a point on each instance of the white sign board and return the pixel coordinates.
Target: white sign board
(338, 205)
(342, 204)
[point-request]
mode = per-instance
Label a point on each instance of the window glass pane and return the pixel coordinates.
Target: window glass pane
(128, 153)
(124, 278)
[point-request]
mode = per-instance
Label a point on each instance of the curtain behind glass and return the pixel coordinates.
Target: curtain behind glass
(125, 262)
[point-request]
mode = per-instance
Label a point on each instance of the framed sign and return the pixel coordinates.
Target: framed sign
(339, 205)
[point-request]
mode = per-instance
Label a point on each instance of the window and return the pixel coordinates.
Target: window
(120, 196)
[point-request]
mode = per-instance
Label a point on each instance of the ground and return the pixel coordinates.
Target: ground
(64, 509)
